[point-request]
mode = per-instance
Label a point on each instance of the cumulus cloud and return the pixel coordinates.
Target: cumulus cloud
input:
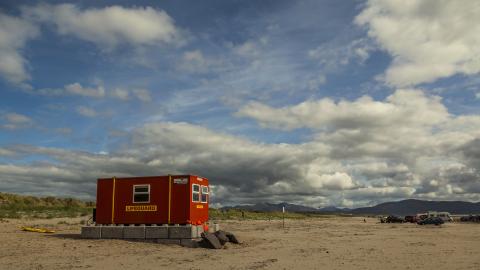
(404, 107)
(428, 40)
(110, 26)
(335, 181)
(404, 141)
(394, 150)
(471, 152)
(14, 34)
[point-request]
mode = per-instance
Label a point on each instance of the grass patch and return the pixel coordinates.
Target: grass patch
(18, 206)
(255, 215)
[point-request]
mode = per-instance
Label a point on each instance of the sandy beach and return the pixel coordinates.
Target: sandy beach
(320, 243)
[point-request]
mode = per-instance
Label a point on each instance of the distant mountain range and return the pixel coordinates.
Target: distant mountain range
(410, 207)
(402, 208)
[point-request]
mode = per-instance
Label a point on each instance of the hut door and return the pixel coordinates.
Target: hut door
(180, 201)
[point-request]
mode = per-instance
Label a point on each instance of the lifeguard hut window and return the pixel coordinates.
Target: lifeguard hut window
(141, 193)
(195, 193)
(204, 194)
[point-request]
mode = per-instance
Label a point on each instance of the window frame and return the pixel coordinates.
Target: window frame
(140, 193)
(206, 193)
(196, 192)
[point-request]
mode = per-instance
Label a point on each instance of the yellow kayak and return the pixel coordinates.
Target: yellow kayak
(39, 230)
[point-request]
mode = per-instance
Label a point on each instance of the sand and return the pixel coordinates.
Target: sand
(320, 243)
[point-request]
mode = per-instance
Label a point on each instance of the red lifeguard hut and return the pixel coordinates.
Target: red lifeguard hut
(170, 199)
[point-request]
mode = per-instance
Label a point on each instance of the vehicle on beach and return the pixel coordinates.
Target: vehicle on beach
(421, 216)
(394, 219)
(411, 219)
(431, 220)
(470, 218)
(445, 216)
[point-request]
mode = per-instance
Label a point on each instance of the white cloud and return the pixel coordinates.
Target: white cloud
(78, 89)
(16, 118)
(95, 92)
(14, 33)
(196, 56)
(6, 153)
(332, 55)
(14, 121)
(85, 111)
(196, 62)
(120, 93)
(110, 26)
(428, 39)
(404, 107)
(248, 49)
(335, 181)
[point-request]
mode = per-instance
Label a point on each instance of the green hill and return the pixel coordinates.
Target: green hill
(18, 206)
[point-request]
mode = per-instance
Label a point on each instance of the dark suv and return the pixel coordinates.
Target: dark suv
(431, 220)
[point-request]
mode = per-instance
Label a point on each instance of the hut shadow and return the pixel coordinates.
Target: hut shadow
(73, 236)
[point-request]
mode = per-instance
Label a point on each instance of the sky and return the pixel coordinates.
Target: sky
(320, 103)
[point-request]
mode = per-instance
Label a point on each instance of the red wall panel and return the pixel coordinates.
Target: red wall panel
(198, 210)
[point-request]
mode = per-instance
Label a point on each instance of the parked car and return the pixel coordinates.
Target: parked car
(394, 219)
(431, 220)
(471, 218)
(411, 219)
(445, 216)
(421, 216)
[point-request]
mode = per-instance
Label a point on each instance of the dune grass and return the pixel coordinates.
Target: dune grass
(218, 214)
(20, 206)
